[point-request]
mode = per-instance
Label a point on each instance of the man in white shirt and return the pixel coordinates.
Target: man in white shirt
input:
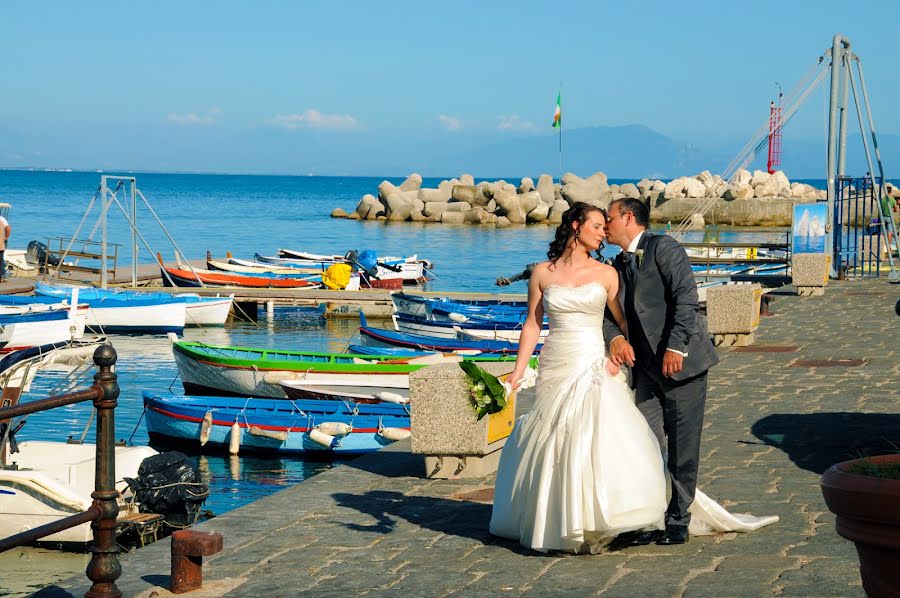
(5, 230)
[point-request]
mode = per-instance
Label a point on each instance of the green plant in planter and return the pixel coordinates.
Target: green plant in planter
(866, 467)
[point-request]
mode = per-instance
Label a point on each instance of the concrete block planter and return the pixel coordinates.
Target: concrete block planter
(443, 423)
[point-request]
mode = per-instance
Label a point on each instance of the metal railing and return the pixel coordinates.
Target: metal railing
(104, 568)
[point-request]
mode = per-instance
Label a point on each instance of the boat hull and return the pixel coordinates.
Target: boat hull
(208, 312)
(55, 480)
(179, 420)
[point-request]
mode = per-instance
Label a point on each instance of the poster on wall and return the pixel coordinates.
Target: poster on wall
(809, 227)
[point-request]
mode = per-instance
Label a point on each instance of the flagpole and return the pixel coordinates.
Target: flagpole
(560, 133)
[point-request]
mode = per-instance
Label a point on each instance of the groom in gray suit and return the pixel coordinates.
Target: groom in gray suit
(667, 347)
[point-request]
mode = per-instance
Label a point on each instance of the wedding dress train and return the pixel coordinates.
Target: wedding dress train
(583, 466)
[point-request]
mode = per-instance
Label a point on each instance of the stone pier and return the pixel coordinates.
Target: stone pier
(818, 386)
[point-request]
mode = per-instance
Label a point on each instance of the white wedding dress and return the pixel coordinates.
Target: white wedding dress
(583, 465)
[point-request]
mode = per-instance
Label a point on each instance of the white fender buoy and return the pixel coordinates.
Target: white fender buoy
(276, 377)
(455, 317)
(205, 428)
(395, 434)
(391, 397)
(234, 442)
(273, 434)
(322, 438)
(335, 428)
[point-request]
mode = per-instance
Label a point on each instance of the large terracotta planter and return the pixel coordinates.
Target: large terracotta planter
(868, 513)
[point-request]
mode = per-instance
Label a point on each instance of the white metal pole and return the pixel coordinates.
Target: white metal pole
(134, 245)
(103, 207)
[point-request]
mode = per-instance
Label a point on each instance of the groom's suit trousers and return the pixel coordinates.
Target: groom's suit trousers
(674, 410)
(676, 407)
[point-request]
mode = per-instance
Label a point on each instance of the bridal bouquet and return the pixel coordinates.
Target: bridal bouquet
(486, 392)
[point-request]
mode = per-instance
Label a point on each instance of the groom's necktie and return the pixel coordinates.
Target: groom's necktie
(630, 266)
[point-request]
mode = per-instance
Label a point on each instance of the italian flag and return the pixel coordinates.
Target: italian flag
(557, 114)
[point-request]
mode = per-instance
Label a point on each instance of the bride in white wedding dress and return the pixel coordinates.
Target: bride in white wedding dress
(583, 466)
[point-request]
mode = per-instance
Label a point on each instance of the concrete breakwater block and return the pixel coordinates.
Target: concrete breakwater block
(733, 313)
(443, 423)
(809, 272)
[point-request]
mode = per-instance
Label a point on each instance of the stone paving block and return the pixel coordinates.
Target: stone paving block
(575, 574)
(824, 577)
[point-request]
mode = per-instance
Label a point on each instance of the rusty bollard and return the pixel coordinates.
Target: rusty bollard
(188, 549)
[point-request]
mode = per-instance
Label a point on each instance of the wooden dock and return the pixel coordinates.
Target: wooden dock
(374, 303)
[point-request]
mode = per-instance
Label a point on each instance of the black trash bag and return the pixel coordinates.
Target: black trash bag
(36, 253)
(168, 484)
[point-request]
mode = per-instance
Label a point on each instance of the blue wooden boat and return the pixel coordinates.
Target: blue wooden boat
(417, 305)
(391, 338)
(121, 312)
(199, 311)
(273, 426)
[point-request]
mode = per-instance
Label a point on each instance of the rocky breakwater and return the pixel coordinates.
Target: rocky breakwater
(494, 203)
(757, 199)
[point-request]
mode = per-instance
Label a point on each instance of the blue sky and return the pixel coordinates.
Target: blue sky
(298, 87)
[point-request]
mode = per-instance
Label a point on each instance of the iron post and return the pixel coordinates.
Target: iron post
(104, 568)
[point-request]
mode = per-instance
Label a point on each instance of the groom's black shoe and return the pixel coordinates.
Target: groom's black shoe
(674, 534)
(646, 537)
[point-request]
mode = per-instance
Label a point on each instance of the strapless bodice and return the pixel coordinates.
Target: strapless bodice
(575, 308)
(575, 340)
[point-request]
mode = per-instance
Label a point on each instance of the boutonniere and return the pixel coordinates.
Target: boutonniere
(639, 254)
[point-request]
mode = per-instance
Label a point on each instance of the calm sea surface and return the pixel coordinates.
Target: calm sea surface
(247, 215)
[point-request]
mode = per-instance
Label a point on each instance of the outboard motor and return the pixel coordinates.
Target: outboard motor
(37, 254)
(168, 484)
(368, 261)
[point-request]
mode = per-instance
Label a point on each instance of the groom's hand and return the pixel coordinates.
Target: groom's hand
(672, 363)
(621, 351)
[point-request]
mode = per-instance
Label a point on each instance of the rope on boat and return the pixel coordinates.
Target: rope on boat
(140, 419)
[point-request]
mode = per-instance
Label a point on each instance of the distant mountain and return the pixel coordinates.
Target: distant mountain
(636, 151)
(631, 151)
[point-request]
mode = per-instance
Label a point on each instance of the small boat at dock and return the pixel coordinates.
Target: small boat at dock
(272, 426)
(392, 338)
(118, 312)
(199, 311)
(247, 371)
(199, 277)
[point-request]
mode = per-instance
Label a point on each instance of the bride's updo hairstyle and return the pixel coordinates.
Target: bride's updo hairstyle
(577, 212)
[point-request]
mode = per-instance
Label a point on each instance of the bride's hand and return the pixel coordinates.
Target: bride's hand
(611, 368)
(515, 379)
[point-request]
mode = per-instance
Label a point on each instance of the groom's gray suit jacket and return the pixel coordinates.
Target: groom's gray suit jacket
(665, 304)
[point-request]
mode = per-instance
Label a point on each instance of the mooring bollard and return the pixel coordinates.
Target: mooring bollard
(188, 549)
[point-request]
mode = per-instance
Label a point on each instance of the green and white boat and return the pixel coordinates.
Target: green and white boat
(247, 371)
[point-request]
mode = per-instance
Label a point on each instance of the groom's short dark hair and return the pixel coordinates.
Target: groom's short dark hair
(638, 208)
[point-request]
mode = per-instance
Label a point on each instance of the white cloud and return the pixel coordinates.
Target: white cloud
(514, 122)
(452, 123)
(314, 119)
(202, 119)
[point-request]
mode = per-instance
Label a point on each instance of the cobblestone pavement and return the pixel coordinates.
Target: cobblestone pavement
(774, 423)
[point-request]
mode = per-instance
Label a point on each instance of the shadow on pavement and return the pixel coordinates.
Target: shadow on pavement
(816, 441)
(452, 517)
